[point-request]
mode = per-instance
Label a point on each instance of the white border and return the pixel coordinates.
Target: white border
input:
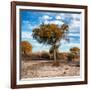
(56, 79)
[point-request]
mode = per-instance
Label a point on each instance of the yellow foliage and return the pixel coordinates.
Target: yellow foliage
(26, 47)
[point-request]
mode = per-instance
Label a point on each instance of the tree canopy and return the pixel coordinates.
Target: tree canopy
(49, 33)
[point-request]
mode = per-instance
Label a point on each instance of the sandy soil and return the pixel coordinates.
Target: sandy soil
(38, 69)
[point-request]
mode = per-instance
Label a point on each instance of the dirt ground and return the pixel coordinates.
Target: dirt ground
(39, 69)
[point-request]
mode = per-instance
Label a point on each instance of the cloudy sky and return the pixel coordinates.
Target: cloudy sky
(31, 19)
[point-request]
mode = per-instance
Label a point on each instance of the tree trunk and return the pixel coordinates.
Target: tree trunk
(54, 54)
(55, 62)
(25, 53)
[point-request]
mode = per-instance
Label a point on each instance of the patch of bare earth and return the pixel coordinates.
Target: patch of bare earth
(38, 69)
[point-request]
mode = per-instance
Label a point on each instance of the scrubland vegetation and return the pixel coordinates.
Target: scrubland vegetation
(41, 64)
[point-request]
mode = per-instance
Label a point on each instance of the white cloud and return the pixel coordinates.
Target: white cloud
(40, 48)
(27, 26)
(76, 17)
(62, 14)
(46, 17)
(74, 34)
(26, 35)
(46, 22)
(75, 40)
(58, 22)
(72, 44)
(75, 23)
(66, 47)
(58, 17)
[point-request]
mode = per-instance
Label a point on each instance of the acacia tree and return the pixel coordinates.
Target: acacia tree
(51, 34)
(26, 47)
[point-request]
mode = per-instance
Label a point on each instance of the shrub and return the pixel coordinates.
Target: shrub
(45, 55)
(62, 56)
(70, 56)
(75, 50)
(26, 48)
(35, 56)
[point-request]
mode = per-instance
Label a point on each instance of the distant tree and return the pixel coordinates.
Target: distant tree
(51, 34)
(75, 50)
(26, 47)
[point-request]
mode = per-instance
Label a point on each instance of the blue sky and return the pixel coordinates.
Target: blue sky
(31, 19)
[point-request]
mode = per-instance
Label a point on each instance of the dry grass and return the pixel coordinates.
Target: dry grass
(45, 68)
